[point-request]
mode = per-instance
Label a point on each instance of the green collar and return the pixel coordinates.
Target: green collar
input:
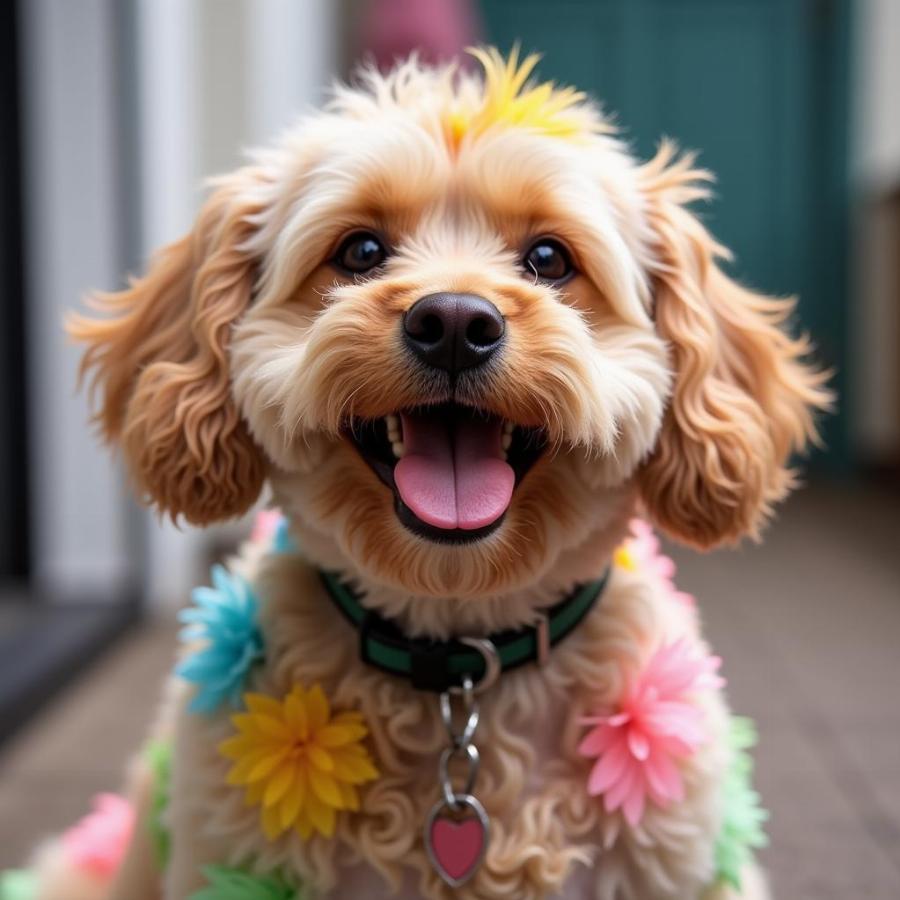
(441, 665)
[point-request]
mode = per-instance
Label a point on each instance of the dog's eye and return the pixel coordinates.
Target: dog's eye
(360, 253)
(548, 260)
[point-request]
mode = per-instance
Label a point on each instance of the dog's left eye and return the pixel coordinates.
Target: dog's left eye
(548, 260)
(360, 253)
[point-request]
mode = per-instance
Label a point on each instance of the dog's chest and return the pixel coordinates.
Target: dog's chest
(548, 837)
(530, 780)
(523, 782)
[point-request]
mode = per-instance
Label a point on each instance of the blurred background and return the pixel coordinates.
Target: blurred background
(113, 113)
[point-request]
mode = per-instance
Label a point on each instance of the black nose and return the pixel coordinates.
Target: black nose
(453, 331)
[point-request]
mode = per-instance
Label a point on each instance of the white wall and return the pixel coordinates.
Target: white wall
(72, 239)
(292, 57)
(167, 192)
(212, 76)
(875, 306)
(876, 157)
(216, 77)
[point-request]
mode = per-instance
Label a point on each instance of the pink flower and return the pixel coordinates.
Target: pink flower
(98, 842)
(656, 724)
(265, 525)
(641, 552)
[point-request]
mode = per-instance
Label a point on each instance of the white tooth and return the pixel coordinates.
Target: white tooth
(506, 442)
(503, 455)
(508, 427)
(394, 435)
(398, 448)
(393, 422)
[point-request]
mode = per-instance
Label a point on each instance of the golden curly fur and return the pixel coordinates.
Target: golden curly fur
(242, 355)
(162, 366)
(744, 394)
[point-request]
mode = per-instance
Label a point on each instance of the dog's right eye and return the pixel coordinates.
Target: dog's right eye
(360, 253)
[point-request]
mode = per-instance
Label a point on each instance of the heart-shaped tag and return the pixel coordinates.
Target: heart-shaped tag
(457, 839)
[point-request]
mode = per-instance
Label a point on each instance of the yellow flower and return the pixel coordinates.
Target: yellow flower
(624, 558)
(297, 761)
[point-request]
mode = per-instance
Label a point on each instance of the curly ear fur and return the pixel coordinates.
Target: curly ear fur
(161, 366)
(743, 397)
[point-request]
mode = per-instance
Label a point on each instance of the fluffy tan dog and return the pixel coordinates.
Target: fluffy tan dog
(465, 337)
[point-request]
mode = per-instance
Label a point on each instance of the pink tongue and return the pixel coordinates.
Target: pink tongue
(451, 475)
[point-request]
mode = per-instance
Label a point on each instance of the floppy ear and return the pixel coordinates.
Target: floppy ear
(744, 396)
(160, 366)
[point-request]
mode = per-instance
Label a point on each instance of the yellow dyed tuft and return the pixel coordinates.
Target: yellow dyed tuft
(509, 99)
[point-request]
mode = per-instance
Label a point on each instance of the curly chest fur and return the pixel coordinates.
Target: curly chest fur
(548, 837)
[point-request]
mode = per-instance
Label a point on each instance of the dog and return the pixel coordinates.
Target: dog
(471, 346)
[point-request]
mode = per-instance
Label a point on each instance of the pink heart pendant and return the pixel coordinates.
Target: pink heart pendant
(457, 839)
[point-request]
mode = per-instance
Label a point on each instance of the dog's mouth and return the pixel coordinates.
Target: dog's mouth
(453, 468)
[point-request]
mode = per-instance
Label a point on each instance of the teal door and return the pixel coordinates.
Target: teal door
(758, 87)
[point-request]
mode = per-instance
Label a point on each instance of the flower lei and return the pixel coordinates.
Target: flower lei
(655, 724)
(298, 761)
(235, 884)
(158, 756)
(302, 764)
(97, 843)
(225, 617)
(640, 551)
(637, 745)
(743, 817)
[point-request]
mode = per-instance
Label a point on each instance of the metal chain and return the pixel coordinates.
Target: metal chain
(459, 703)
(460, 742)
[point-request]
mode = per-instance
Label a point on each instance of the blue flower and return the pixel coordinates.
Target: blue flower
(282, 542)
(225, 617)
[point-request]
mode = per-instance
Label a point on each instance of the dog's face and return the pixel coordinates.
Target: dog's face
(455, 359)
(458, 328)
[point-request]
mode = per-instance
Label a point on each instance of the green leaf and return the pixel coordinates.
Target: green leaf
(235, 884)
(158, 755)
(18, 884)
(743, 816)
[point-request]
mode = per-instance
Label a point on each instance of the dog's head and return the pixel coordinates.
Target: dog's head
(459, 328)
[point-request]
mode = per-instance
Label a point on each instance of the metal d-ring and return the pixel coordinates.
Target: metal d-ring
(474, 759)
(492, 665)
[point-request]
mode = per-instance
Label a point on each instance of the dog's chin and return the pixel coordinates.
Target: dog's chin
(453, 469)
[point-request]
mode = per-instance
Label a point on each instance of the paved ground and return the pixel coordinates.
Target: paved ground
(808, 624)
